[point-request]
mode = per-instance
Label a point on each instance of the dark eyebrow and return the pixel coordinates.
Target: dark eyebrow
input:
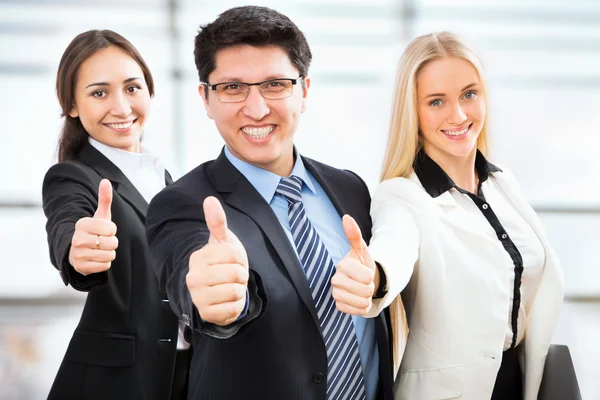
(234, 80)
(469, 86)
(106, 84)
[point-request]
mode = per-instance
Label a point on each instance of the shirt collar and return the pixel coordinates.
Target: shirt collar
(266, 182)
(436, 181)
(129, 162)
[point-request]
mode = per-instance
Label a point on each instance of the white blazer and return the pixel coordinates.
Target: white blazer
(455, 289)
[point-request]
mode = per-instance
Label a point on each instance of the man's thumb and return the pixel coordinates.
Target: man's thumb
(105, 195)
(215, 219)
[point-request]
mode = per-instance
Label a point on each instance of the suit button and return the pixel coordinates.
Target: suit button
(318, 378)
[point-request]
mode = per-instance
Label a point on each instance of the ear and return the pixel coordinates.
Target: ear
(74, 113)
(202, 89)
(305, 88)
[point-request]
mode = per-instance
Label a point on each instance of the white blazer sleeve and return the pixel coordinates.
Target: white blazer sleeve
(395, 238)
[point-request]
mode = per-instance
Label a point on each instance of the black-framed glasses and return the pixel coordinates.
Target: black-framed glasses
(273, 89)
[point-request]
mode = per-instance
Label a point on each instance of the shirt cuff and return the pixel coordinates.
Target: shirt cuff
(243, 314)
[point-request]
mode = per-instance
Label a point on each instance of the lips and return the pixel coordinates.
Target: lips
(258, 132)
(120, 126)
(457, 131)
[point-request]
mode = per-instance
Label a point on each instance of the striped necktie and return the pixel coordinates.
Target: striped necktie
(344, 372)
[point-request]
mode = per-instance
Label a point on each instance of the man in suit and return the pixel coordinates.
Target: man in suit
(246, 245)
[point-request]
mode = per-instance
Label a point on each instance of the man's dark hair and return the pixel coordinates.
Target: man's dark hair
(254, 26)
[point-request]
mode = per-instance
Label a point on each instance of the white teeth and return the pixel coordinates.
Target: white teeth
(258, 133)
(121, 126)
(457, 133)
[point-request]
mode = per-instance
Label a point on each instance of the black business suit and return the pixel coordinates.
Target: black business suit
(276, 351)
(125, 344)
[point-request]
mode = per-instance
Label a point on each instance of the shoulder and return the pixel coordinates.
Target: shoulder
(194, 181)
(330, 173)
(72, 171)
(505, 175)
(71, 167)
(190, 190)
(408, 189)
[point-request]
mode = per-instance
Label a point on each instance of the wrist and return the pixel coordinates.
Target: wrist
(380, 282)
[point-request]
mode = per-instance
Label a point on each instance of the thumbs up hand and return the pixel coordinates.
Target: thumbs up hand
(94, 242)
(218, 272)
(356, 276)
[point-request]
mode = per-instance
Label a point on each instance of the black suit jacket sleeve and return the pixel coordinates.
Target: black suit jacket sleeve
(176, 228)
(68, 196)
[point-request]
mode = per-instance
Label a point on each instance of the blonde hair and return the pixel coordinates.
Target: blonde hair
(404, 141)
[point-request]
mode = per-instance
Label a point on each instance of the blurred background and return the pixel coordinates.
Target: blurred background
(542, 59)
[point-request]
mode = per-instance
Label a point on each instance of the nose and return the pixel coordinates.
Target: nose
(255, 106)
(457, 115)
(120, 107)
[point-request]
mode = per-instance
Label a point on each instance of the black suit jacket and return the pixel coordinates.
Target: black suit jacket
(125, 344)
(276, 351)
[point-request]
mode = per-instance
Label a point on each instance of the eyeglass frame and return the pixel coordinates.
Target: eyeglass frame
(294, 81)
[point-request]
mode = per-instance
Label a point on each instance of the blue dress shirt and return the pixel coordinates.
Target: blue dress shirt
(328, 223)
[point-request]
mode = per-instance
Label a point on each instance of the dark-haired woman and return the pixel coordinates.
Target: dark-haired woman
(95, 199)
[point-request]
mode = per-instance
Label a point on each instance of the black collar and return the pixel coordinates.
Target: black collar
(436, 181)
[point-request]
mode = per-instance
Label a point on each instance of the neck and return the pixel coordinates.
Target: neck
(460, 169)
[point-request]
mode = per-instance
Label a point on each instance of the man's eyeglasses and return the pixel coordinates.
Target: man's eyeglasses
(234, 92)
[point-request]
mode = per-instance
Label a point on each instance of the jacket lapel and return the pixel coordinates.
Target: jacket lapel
(545, 310)
(122, 185)
(245, 198)
(459, 219)
(325, 183)
(168, 178)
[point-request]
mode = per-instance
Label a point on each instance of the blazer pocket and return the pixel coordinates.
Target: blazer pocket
(102, 349)
(432, 384)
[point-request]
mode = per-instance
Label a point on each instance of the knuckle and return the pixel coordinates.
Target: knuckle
(76, 241)
(371, 289)
(337, 294)
(364, 303)
(239, 292)
(190, 279)
(335, 280)
(236, 309)
(196, 260)
(334, 294)
(238, 274)
(80, 269)
(79, 224)
(206, 313)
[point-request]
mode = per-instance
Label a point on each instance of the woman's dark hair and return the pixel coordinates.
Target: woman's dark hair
(254, 26)
(73, 136)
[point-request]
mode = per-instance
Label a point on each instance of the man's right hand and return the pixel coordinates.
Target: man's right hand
(218, 272)
(94, 242)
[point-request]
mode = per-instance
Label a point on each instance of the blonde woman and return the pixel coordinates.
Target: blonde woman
(452, 232)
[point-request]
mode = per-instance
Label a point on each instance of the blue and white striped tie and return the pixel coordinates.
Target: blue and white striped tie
(344, 372)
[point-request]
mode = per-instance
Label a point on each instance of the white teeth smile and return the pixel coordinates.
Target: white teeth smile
(457, 133)
(121, 126)
(258, 133)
